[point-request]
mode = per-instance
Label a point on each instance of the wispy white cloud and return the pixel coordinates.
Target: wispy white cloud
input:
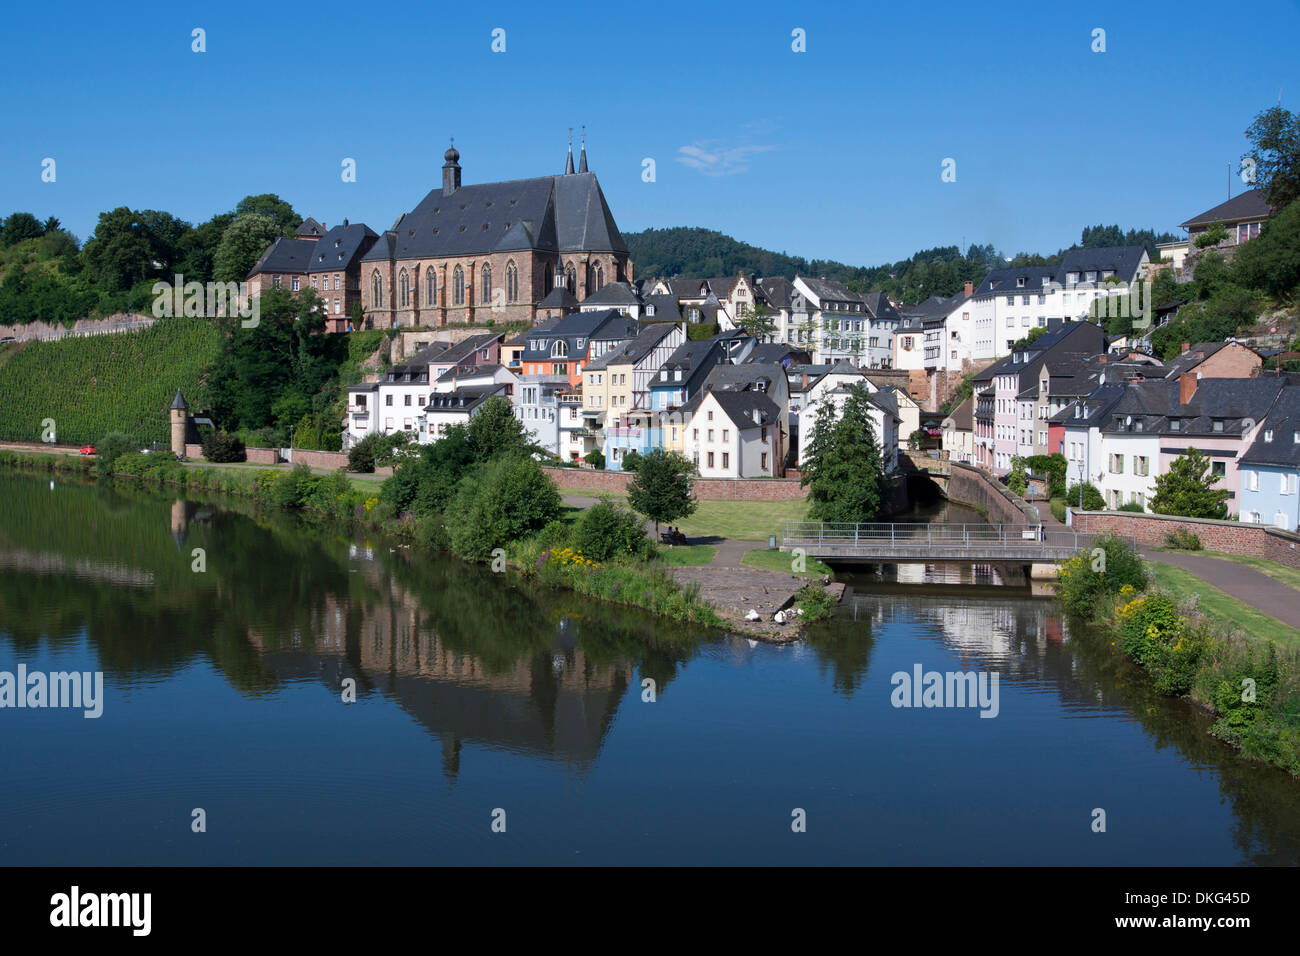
(715, 158)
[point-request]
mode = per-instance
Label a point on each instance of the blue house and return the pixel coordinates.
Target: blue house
(1270, 469)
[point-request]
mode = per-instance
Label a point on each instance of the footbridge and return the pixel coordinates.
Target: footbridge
(932, 543)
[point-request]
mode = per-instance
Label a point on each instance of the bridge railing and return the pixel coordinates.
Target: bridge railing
(974, 537)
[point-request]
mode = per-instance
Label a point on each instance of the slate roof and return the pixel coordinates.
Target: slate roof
(466, 347)
(337, 248)
(1283, 420)
(690, 357)
(577, 325)
(736, 378)
(613, 294)
(179, 401)
(741, 406)
(310, 227)
(1123, 260)
(879, 306)
(285, 255)
(776, 353)
(1003, 281)
(559, 298)
(634, 351)
(776, 291)
(1149, 406)
(565, 213)
(664, 308)
(469, 371)
(1249, 205)
(963, 416)
(829, 290)
(462, 399)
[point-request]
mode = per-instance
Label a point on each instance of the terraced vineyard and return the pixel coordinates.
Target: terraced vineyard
(104, 383)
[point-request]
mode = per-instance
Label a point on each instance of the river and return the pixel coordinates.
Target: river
(482, 699)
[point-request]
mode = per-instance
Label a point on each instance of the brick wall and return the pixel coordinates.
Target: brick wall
(711, 489)
(1226, 537)
(970, 485)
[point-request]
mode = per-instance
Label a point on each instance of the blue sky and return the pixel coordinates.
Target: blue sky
(831, 153)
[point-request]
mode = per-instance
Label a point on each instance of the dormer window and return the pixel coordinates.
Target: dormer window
(1268, 435)
(1091, 276)
(1071, 278)
(1218, 425)
(1020, 282)
(1175, 425)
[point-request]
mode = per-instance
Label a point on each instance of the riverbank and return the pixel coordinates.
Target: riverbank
(648, 584)
(1247, 683)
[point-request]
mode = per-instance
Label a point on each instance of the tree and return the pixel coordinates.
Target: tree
(498, 504)
(916, 440)
(758, 320)
(661, 487)
(494, 430)
(1092, 498)
(19, 226)
(1187, 489)
(1275, 152)
(130, 246)
(843, 472)
(1271, 261)
(242, 244)
(272, 207)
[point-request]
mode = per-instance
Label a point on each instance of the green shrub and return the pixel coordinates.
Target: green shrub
(1133, 507)
(361, 456)
(1183, 539)
(815, 601)
(499, 504)
(1058, 507)
(1092, 499)
(606, 530)
(111, 447)
(219, 447)
(1094, 575)
(595, 458)
(631, 460)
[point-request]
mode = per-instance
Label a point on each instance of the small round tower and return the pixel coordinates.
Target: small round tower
(179, 419)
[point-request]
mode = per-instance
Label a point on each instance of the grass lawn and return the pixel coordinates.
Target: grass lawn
(589, 493)
(742, 520)
(1226, 608)
(679, 555)
(780, 561)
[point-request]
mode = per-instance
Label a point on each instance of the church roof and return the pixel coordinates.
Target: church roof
(565, 213)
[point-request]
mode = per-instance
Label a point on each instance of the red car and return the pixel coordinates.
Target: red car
(87, 449)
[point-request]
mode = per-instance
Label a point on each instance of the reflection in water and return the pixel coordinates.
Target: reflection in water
(528, 682)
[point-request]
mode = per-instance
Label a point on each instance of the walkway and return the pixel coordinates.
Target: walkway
(1268, 595)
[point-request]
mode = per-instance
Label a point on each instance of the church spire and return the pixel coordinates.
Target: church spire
(582, 162)
(568, 167)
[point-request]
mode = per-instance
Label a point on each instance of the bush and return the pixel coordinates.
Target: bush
(111, 447)
(595, 458)
(815, 601)
(1183, 539)
(606, 530)
(1092, 499)
(219, 447)
(361, 456)
(499, 504)
(1133, 507)
(1058, 507)
(631, 460)
(1094, 575)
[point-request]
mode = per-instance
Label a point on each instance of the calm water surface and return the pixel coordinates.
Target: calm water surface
(476, 692)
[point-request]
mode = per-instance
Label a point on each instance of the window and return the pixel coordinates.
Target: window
(512, 282)
(1268, 434)
(293, 283)
(1117, 464)
(388, 399)
(403, 289)
(726, 434)
(710, 459)
(763, 434)
(763, 461)
(1250, 480)
(1140, 464)
(430, 288)
(275, 282)
(1288, 483)
(726, 459)
(710, 434)
(487, 283)
(695, 434)
(458, 286)
(1218, 469)
(559, 349)
(1175, 425)
(376, 290)
(1218, 425)
(710, 414)
(338, 306)
(336, 283)
(1011, 300)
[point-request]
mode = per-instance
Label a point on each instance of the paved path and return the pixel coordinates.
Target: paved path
(1247, 585)
(1265, 594)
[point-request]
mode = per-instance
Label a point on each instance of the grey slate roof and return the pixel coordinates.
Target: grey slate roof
(179, 401)
(1283, 422)
(1122, 260)
(741, 406)
(1249, 205)
(462, 399)
(336, 249)
(566, 213)
(285, 255)
(613, 294)
(559, 298)
(578, 325)
(310, 228)
(634, 351)
(662, 308)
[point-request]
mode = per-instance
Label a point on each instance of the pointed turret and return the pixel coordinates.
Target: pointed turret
(582, 159)
(568, 165)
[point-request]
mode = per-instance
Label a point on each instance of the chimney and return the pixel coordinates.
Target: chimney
(805, 381)
(970, 289)
(1186, 346)
(1102, 358)
(1186, 387)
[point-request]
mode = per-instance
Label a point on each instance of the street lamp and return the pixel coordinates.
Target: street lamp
(1082, 477)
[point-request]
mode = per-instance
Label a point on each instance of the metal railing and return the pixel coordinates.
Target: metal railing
(973, 540)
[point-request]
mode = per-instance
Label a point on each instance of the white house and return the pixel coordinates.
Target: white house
(735, 435)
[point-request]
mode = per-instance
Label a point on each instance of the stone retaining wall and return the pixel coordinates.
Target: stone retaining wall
(1226, 537)
(969, 485)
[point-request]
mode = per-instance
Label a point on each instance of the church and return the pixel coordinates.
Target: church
(466, 254)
